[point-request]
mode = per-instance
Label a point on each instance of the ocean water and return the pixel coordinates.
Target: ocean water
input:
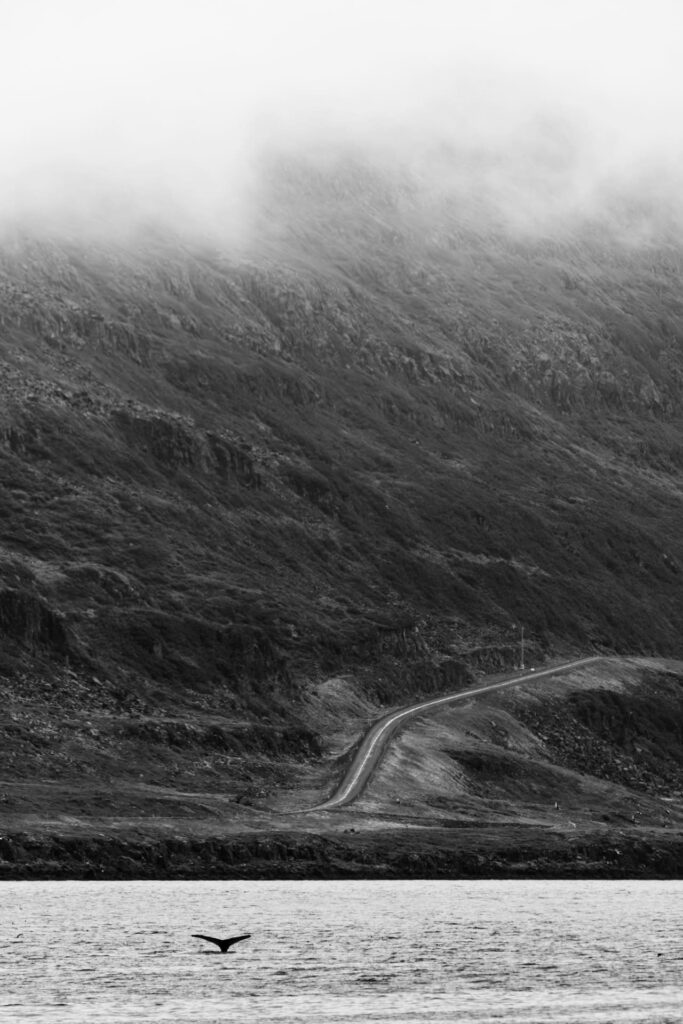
(342, 952)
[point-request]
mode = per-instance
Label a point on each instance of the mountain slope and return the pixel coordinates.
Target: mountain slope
(377, 438)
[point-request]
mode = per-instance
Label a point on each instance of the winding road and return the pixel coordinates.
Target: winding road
(376, 738)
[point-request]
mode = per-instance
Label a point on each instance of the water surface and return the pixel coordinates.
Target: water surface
(342, 952)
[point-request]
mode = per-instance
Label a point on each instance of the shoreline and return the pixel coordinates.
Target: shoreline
(304, 857)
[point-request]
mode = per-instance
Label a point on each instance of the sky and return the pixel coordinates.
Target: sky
(170, 103)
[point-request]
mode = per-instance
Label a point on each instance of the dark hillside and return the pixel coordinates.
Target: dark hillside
(377, 440)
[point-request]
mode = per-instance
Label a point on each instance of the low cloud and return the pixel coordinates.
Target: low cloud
(117, 112)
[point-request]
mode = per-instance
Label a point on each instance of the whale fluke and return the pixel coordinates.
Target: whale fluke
(223, 944)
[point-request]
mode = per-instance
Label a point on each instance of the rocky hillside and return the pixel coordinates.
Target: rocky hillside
(378, 437)
(578, 774)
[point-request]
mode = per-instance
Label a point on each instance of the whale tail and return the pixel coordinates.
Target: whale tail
(223, 944)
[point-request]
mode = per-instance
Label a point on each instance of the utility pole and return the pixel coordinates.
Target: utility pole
(521, 648)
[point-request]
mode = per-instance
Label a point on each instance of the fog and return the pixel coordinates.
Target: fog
(117, 111)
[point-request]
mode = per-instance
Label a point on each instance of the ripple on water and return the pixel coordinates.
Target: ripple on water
(525, 952)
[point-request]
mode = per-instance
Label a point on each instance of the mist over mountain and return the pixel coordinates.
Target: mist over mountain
(116, 115)
(393, 405)
(351, 386)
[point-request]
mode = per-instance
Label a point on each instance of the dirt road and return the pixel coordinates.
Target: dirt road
(378, 735)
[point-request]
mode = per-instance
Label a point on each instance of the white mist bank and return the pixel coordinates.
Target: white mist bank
(113, 114)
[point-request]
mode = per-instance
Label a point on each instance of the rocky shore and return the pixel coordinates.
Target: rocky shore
(521, 853)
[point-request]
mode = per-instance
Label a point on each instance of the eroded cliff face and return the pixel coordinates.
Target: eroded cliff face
(377, 439)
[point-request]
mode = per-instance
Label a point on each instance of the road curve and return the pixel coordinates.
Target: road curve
(375, 739)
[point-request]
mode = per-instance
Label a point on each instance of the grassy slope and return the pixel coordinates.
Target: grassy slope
(373, 443)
